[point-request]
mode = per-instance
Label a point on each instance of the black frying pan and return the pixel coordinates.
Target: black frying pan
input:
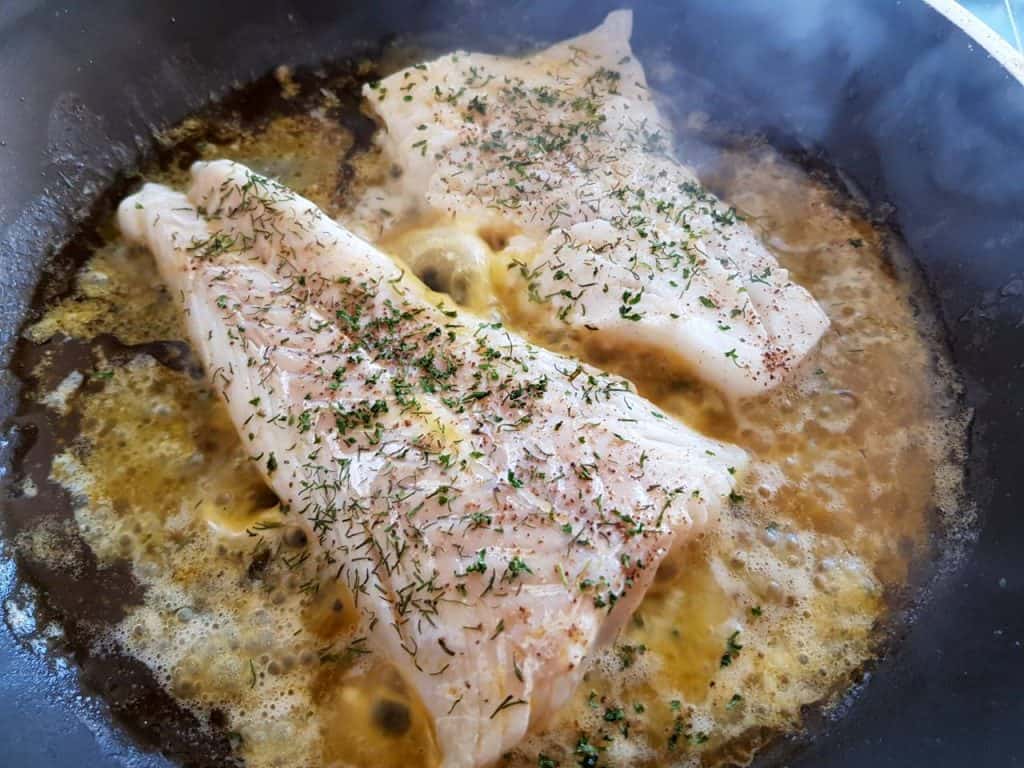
(899, 101)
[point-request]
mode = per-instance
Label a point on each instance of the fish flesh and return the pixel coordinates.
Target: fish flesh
(497, 510)
(613, 239)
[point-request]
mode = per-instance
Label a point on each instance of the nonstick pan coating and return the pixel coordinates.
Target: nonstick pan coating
(918, 118)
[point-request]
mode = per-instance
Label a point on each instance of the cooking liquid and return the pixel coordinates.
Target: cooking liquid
(853, 485)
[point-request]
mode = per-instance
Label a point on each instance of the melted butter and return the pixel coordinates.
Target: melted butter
(116, 293)
(157, 453)
(847, 461)
(448, 256)
(120, 292)
(685, 621)
(371, 718)
(301, 151)
(331, 613)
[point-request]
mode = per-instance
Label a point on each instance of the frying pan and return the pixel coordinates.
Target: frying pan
(919, 119)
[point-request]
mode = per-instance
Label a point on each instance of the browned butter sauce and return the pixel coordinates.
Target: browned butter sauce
(853, 486)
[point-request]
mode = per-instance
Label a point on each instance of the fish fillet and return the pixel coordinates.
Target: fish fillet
(497, 510)
(616, 239)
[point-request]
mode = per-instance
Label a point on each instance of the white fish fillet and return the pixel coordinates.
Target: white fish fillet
(498, 510)
(618, 240)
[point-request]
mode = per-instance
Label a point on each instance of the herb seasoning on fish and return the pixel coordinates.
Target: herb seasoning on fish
(379, 474)
(449, 497)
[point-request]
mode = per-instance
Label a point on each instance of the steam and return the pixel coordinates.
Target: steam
(824, 73)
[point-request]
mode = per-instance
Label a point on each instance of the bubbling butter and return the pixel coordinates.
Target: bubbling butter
(774, 610)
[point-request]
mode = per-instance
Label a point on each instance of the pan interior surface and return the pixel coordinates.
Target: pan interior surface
(108, 353)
